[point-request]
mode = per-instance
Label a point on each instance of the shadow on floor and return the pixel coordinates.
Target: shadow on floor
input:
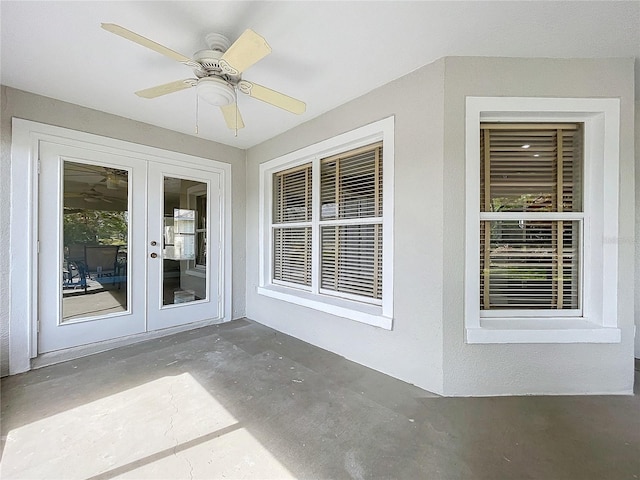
(240, 400)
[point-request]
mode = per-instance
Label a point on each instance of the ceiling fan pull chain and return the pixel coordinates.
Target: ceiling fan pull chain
(237, 113)
(197, 103)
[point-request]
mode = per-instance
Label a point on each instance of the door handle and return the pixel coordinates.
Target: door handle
(154, 255)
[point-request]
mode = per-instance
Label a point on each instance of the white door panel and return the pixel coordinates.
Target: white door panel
(184, 246)
(79, 305)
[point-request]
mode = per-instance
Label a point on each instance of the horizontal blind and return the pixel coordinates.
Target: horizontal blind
(292, 195)
(351, 254)
(523, 169)
(351, 184)
(533, 168)
(527, 270)
(352, 259)
(292, 245)
(292, 255)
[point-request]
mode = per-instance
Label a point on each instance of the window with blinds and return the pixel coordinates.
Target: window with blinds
(347, 227)
(531, 216)
(351, 222)
(292, 235)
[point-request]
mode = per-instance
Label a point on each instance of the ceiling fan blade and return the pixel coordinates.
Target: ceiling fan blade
(165, 89)
(245, 51)
(145, 42)
(229, 113)
(272, 97)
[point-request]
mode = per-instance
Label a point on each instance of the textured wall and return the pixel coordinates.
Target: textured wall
(427, 345)
(534, 368)
(16, 103)
(5, 189)
(637, 239)
(413, 350)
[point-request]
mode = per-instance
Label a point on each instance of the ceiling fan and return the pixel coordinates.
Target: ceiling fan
(90, 196)
(115, 179)
(218, 72)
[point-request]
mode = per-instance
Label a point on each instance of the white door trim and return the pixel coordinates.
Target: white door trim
(23, 247)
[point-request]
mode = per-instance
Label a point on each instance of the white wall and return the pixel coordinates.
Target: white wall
(427, 345)
(528, 368)
(412, 351)
(16, 103)
(637, 151)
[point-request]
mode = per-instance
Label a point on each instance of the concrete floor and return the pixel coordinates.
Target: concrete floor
(240, 400)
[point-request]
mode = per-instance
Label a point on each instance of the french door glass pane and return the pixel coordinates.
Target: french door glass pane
(184, 259)
(95, 222)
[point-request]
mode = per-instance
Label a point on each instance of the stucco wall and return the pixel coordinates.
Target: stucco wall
(5, 189)
(529, 368)
(412, 351)
(637, 240)
(427, 345)
(16, 103)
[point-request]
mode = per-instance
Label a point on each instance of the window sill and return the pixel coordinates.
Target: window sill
(541, 331)
(360, 312)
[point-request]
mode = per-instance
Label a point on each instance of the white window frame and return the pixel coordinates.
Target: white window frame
(193, 193)
(597, 322)
(375, 313)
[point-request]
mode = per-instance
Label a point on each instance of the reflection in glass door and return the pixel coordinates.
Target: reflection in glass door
(95, 221)
(184, 255)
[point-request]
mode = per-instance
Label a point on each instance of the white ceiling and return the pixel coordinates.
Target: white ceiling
(324, 53)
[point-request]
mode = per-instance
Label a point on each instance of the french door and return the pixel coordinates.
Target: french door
(183, 253)
(126, 246)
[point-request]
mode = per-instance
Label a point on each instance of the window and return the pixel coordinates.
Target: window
(351, 223)
(292, 228)
(197, 202)
(327, 225)
(350, 226)
(531, 218)
(539, 205)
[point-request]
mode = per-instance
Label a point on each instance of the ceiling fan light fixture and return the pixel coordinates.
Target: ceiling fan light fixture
(215, 91)
(112, 181)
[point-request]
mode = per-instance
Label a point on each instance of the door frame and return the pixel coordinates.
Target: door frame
(23, 248)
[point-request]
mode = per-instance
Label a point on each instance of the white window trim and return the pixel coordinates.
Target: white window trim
(192, 195)
(598, 322)
(376, 315)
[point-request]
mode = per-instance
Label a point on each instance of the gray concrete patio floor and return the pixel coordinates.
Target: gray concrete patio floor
(240, 400)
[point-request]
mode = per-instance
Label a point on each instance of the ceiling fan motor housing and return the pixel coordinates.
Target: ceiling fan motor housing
(216, 41)
(215, 87)
(210, 61)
